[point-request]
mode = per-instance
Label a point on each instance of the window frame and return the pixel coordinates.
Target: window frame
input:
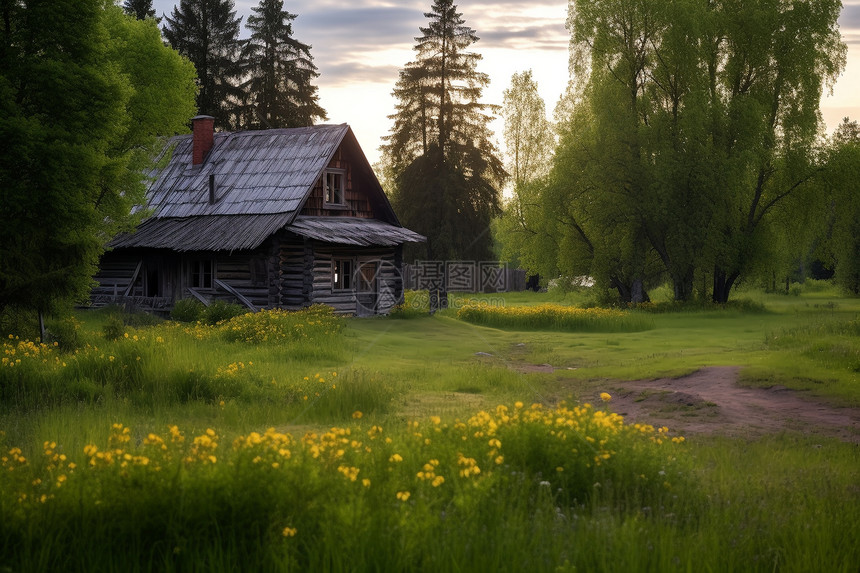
(338, 274)
(197, 273)
(339, 190)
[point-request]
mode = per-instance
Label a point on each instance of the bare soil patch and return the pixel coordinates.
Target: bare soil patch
(710, 401)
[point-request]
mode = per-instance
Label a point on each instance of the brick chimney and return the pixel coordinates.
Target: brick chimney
(203, 127)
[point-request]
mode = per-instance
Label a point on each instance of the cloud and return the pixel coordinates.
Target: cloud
(351, 72)
(850, 18)
(362, 27)
(349, 44)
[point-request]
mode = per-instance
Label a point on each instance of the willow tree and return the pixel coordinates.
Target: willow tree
(279, 71)
(708, 111)
(843, 223)
(439, 153)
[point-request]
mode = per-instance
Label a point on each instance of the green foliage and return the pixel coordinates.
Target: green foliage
(84, 92)
(114, 327)
(844, 208)
(187, 310)
(207, 33)
(439, 154)
(65, 333)
(140, 9)
(529, 142)
(22, 322)
(156, 364)
(692, 138)
(528, 135)
(220, 310)
(279, 71)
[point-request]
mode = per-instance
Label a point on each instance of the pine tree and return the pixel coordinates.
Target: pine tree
(207, 33)
(140, 9)
(279, 69)
(440, 153)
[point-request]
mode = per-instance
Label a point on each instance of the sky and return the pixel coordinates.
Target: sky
(359, 47)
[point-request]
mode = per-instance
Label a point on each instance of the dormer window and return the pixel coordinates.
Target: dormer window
(334, 186)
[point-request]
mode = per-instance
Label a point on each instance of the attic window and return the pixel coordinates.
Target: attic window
(334, 185)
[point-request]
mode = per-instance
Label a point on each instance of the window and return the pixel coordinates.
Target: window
(341, 278)
(366, 277)
(334, 185)
(259, 272)
(201, 273)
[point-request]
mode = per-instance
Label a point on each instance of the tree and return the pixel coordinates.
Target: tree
(140, 9)
(78, 109)
(439, 153)
(529, 137)
(529, 143)
(207, 33)
(708, 115)
(844, 205)
(279, 71)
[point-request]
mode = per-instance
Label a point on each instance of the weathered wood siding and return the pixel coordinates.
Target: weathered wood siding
(292, 269)
(389, 285)
(357, 202)
(289, 272)
(248, 273)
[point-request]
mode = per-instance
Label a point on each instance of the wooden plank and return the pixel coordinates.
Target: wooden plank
(198, 296)
(236, 293)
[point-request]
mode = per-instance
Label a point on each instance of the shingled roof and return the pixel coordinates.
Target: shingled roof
(261, 180)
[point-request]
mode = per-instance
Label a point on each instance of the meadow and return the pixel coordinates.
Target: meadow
(306, 441)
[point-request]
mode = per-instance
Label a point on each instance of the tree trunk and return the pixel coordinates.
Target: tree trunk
(630, 293)
(723, 283)
(683, 286)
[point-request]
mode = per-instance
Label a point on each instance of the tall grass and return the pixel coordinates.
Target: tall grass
(167, 363)
(353, 497)
(509, 489)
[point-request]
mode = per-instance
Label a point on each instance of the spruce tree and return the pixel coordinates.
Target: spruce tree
(207, 33)
(439, 154)
(279, 71)
(140, 9)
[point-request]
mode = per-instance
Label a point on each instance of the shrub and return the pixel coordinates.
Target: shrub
(114, 327)
(220, 311)
(65, 332)
(187, 310)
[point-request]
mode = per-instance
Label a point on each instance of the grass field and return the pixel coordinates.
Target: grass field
(401, 445)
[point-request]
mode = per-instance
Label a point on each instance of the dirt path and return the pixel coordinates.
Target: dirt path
(711, 402)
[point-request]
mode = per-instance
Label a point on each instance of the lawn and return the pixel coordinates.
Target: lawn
(429, 443)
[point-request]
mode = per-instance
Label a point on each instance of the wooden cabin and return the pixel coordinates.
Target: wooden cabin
(280, 218)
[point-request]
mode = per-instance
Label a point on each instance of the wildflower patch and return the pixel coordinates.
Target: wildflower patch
(556, 317)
